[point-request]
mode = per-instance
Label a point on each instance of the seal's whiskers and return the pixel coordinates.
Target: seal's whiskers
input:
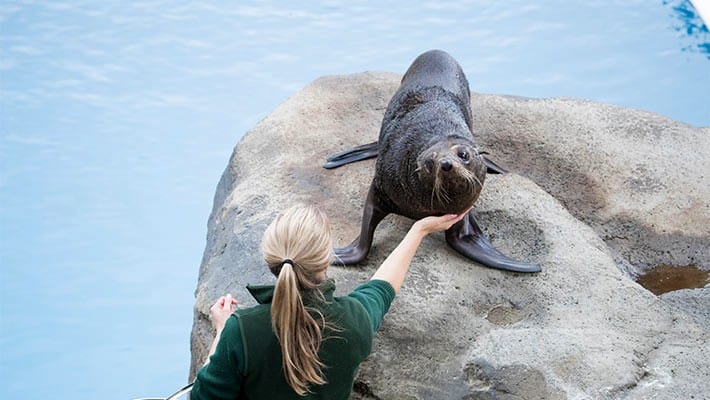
(470, 177)
(439, 190)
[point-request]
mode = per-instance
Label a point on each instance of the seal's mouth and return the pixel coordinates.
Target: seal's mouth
(449, 180)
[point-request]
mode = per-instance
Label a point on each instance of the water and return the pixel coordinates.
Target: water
(118, 118)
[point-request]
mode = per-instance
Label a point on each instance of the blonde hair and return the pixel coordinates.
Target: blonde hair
(297, 247)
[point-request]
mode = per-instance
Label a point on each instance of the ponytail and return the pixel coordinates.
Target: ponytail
(297, 247)
(298, 333)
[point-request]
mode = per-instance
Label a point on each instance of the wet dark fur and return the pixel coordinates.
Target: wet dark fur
(431, 105)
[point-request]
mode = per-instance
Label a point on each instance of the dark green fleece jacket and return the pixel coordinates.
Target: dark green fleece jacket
(247, 362)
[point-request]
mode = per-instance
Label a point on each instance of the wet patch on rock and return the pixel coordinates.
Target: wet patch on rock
(668, 278)
(508, 382)
(504, 315)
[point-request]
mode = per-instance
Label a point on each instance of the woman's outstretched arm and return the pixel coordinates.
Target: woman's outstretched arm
(394, 268)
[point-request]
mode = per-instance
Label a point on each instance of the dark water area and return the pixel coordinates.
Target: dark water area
(667, 278)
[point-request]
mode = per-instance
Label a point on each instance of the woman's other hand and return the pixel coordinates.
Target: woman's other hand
(221, 310)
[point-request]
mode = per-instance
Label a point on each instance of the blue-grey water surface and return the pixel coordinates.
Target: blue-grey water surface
(118, 118)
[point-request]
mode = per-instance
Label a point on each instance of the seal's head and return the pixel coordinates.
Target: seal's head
(452, 170)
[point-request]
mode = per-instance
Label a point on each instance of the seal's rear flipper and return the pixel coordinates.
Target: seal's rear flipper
(358, 153)
(467, 238)
(492, 167)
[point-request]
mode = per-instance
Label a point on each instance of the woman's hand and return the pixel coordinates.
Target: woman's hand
(221, 310)
(395, 267)
(219, 313)
(429, 225)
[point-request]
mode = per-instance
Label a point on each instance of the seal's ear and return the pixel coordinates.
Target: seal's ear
(491, 166)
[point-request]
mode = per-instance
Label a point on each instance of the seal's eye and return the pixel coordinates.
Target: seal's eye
(463, 154)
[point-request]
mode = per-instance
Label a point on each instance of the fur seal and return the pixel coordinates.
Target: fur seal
(427, 162)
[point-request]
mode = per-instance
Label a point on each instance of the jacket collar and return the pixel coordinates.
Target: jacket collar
(263, 294)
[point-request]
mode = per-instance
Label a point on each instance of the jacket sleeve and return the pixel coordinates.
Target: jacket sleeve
(376, 296)
(221, 378)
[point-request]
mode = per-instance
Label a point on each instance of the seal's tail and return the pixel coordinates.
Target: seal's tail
(359, 153)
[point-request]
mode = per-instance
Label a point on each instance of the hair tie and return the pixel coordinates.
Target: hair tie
(288, 260)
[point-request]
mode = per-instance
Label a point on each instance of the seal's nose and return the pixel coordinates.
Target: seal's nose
(446, 165)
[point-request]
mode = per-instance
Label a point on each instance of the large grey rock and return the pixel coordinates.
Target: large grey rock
(581, 329)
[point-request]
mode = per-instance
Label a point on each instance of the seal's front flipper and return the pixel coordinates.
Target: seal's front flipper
(467, 238)
(358, 153)
(491, 166)
(356, 251)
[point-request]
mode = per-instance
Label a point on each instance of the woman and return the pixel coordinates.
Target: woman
(300, 342)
